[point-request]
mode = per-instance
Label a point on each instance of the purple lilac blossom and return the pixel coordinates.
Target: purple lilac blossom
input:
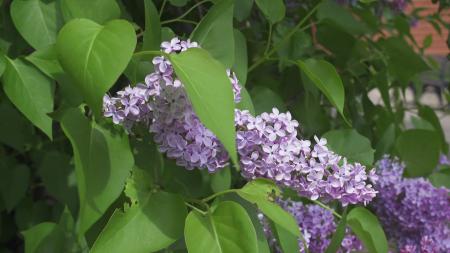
(415, 214)
(268, 147)
(168, 112)
(317, 226)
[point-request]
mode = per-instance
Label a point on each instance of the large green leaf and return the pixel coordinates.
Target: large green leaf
(95, 55)
(240, 57)
(30, 91)
(46, 237)
(340, 16)
(420, 150)
(38, 21)
(326, 78)
(210, 92)
(274, 10)
(152, 33)
(99, 11)
(227, 229)
(13, 183)
(103, 161)
(46, 60)
(148, 226)
(367, 228)
(262, 193)
(351, 145)
(215, 32)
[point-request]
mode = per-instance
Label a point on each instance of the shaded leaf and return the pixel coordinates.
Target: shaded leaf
(273, 10)
(152, 33)
(240, 58)
(13, 183)
(46, 60)
(99, 11)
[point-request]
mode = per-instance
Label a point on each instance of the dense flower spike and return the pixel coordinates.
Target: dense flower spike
(162, 102)
(317, 226)
(414, 214)
(269, 147)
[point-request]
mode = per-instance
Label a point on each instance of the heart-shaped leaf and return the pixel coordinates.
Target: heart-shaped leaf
(95, 55)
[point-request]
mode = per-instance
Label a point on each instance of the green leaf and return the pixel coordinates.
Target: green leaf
(227, 229)
(273, 10)
(99, 11)
(15, 135)
(338, 236)
(2, 63)
(246, 102)
(178, 3)
(242, 9)
(339, 16)
(95, 56)
(13, 184)
(210, 92)
(103, 161)
(46, 237)
(149, 226)
(138, 185)
(350, 144)
(31, 92)
(428, 114)
(152, 33)
(386, 142)
(221, 180)
(240, 57)
(324, 76)
(38, 21)
(440, 179)
(58, 176)
(46, 60)
(215, 32)
(262, 193)
(367, 228)
(265, 99)
(420, 150)
(287, 241)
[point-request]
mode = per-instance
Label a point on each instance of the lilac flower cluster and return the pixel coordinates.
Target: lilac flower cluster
(415, 214)
(268, 147)
(162, 104)
(317, 226)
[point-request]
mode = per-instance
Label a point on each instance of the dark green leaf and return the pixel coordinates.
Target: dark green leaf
(386, 142)
(31, 92)
(287, 241)
(95, 56)
(246, 102)
(13, 183)
(240, 58)
(15, 135)
(338, 236)
(38, 21)
(242, 9)
(350, 144)
(440, 179)
(46, 237)
(103, 161)
(367, 228)
(428, 114)
(227, 229)
(210, 92)
(178, 3)
(152, 33)
(149, 226)
(336, 14)
(99, 11)
(265, 99)
(221, 180)
(215, 32)
(420, 150)
(325, 77)
(138, 185)
(274, 10)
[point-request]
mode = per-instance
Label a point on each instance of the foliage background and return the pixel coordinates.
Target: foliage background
(63, 168)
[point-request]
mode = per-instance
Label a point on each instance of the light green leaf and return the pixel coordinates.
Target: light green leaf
(240, 57)
(367, 228)
(46, 237)
(351, 145)
(262, 193)
(210, 92)
(95, 56)
(152, 33)
(103, 161)
(221, 180)
(274, 10)
(46, 60)
(138, 185)
(99, 11)
(215, 32)
(420, 150)
(31, 92)
(13, 184)
(325, 77)
(38, 21)
(149, 226)
(227, 229)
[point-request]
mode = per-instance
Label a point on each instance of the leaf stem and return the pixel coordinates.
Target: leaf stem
(195, 208)
(179, 20)
(143, 53)
(285, 38)
(184, 14)
(327, 207)
(162, 8)
(218, 194)
(269, 39)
